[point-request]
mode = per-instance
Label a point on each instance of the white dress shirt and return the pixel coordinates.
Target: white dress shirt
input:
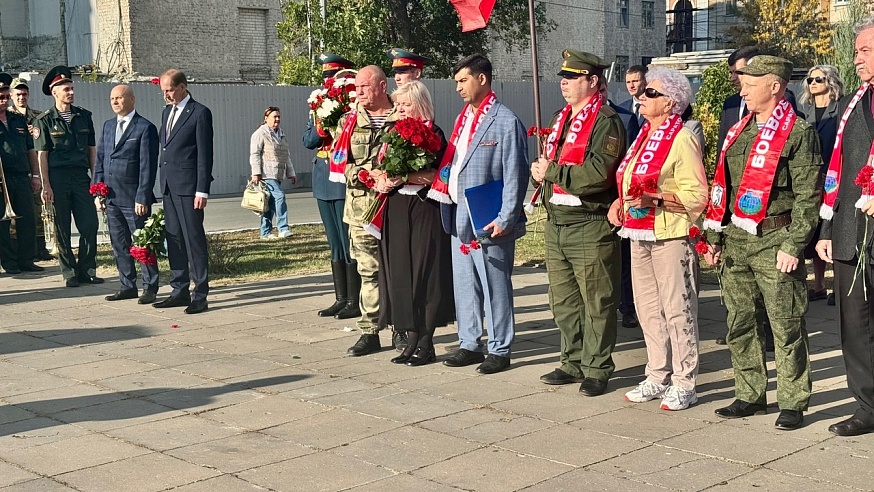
(127, 119)
(461, 146)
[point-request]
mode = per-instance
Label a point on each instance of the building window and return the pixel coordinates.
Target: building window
(645, 60)
(252, 32)
(731, 7)
(648, 15)
(623, 13)
(841, 2)
(622, 65)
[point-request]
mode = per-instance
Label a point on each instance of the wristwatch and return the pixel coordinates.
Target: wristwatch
(660, 202)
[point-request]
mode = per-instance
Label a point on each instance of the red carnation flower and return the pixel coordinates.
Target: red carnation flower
(634, 191)
(532, 130)
(545, 132)
(475, 244)
(701, 247)
(156, 80)
(650, 185)
(694, 232)
(329, 82)
(143, 255)
(863, 179)
(465, 249)
(99, 189)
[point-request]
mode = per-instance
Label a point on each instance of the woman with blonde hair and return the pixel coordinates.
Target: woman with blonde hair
(663, 190)
(270, 161)
(415, 260)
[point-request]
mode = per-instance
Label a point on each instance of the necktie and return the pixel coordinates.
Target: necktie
(170, 123)
(119, 131)
(637, 109)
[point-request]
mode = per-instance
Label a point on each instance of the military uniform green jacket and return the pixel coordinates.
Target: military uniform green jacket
(15, 142)
(797, 187)
(29, 113)
(66, 143)
(364, 149)
(594, 182)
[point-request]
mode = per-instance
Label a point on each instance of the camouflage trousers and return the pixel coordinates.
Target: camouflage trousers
(365, 250)
(749, 272)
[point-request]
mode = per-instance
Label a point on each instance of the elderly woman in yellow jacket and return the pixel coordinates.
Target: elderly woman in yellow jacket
(663, 191)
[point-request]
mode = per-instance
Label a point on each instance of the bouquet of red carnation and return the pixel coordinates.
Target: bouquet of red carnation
(701, 244)
(101, 191)
(864, 180)
(411, 145)
(332, 101)
(149, 241)
(472, 246)
(542, 135)
(636, 190)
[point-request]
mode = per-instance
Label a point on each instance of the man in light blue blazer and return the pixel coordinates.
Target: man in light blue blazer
(127, 161)
(490, 144)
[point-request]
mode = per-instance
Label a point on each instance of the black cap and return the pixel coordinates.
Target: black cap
(5, 81)
(56, 76)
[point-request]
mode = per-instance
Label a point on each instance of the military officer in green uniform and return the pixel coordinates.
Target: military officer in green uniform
(66, 148)
(763, 209)
(405, 65)
(20, 92)
(19, 164)
(577, 176)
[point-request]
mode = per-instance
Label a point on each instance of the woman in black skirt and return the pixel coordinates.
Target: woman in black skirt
(415, 261)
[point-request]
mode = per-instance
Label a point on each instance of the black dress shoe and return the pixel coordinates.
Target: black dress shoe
(197, 307)
(399, 340)
(853, 426)
(88, 279)
(367, 344)
(350, 310)
(493, 364)
(789, 419)
(421, 357)
(593, 387)
(13, 270)
(31, 267)
(148, 297)
(629, 320)
(740, 408)
(464, 358)
(122, 295)
(173, 301)
(831, 299)
(72, 282)
(560, 377)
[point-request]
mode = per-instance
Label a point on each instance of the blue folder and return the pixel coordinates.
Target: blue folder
(484, 204)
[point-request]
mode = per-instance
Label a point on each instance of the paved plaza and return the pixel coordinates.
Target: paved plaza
(258, 394)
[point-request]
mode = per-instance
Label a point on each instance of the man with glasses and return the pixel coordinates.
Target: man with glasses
(21, 179)
(578, 177)
(764, 207)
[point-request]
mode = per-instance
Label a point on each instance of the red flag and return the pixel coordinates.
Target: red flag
(474, 14)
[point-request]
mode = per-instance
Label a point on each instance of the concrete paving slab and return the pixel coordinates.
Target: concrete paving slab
(407, 448)
(403, 483)
(409, 408)
(240, 452)
(264, 412)
(174, 433)
(767, 480)
(11, 474)
(117, 414)
(315, 472)
(734, 444)
(224, 483)
(102, 368)
(586, 479)
(545, 443)
(73, 454)
(146, 473)
(58, 400)
(635, 423)
(35, 432)
(330, 429)
(835, 461)
(38, 485)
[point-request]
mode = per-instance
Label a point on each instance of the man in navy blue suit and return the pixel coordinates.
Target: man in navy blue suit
(186, 174)
(127, 161)
(635, 82)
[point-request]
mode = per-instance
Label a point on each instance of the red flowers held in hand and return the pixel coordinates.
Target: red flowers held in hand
(701, 244)
(465, 249)
(701, 247)
(366, 179)
(864, 179)
(694, 232)
(99, 189)
(472, 246)
(636, 190)
(417, 132)
(143, 255)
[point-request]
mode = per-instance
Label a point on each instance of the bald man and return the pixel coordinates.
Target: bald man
(127, 161)
(373, 115)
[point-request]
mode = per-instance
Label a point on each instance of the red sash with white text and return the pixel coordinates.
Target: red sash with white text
(573, 151)
(639, 223)
(836, 164)
(754, 191)
(440, 187)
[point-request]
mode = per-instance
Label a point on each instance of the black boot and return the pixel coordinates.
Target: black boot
(353, 293)
(42, 254)
(338, 271)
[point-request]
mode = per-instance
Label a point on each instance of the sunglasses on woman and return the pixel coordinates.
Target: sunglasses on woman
(818, 80)
(651, 93)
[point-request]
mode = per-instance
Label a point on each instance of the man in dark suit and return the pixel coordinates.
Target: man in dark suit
(635, 82)
(186, 174)
(127, 161)
(845, 231)
(626, 297)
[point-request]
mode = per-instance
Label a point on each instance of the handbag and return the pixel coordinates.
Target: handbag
(256, 198)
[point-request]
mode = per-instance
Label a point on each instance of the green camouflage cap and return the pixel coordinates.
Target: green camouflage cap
(18, 83)
(576, 63)
(765, 64)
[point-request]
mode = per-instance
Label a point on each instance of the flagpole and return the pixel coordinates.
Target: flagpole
(534, 70)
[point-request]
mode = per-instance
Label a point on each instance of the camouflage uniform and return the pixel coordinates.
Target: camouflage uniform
(748, 270)
(363, 246)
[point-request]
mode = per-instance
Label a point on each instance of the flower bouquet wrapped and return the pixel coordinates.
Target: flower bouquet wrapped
(331, 101)
(101, 191)
(149, 241)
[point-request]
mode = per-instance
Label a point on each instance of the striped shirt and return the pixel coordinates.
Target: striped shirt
(66, 115)
(377, 121)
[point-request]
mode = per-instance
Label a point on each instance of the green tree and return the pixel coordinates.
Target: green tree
(844, 41)
(715, 87)
(793, 29)
(362, 30)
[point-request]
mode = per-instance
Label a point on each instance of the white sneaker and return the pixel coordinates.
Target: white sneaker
(646, 391)
(269, 237)
(285, 234)
(678, 398)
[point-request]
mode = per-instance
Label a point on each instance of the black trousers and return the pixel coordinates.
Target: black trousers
(70, 187)
(857, 333)
(21, 198)
(626, 297)
(122, 223)
(186, 246)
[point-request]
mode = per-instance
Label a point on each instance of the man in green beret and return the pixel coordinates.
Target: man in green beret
(576, 173)
(764, 206)
(66, 149)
